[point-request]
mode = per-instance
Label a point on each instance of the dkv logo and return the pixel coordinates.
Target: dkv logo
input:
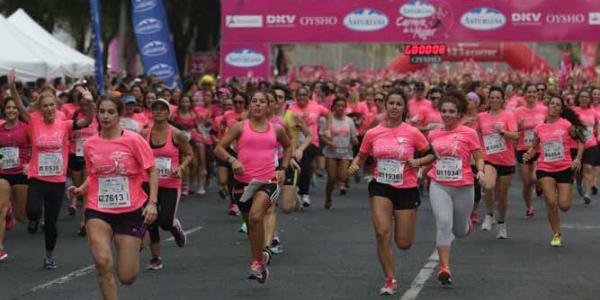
(417, 9)
(366, 19)
(155, 48)
(148, 26)
(244, 58)
(483, 18)
(162, 71)
(143, 5)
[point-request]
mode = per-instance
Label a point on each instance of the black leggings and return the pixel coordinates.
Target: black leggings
(305, 164)
(167, 202)
(47, 196)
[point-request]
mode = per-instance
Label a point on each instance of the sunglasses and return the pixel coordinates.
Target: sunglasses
(436, 98)
(541, 89)
(238, 102)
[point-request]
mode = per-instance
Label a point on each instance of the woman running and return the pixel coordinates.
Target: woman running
(256, 185)
(398, 149)
(117, 209)
(497, 129)
(589, 118)
(555, 165)
(451, 189)
(338, 149)
(47, 169)
(131, 120)
(168, 144)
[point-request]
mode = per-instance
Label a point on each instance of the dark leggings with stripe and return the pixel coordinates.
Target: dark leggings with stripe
(167, 203)
(47, 197)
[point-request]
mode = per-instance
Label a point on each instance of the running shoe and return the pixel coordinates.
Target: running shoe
(475, 217)
(501, 231)
(594, 190)
(258, 272)
(32, 227)
(556, 240)
(222, 194)
(327, 204)
(488, 221)
(367, 178)
(530, 212)
(155, 264)
(343, 189)
(82, 232)
(178, 234)
(200, 190)
(305, 201)
(276, 246)
(587, 200)
(3, 255)
(299, 205)
(266, 257)
(233, 210)
(579, 190)
(444, 275)
(538, 191)
(243, 228)
(72, 210)
(389, 287)
(10, 219)
(49, 263)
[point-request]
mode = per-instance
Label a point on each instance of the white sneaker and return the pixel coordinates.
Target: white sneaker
(305, 200)
(487, 223)
(200, 190)
(501, 231)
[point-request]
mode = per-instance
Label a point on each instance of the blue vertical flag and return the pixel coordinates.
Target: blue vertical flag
(154, 40)
(95, 12)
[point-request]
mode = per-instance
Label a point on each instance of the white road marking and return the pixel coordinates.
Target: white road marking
(579, 226)
(422, 277)
(84, 271)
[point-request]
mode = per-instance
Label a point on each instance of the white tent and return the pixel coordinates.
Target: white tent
(71, 62)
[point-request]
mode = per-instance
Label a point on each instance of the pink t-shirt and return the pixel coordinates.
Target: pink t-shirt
(359, 107)
(513, 103)
(257, 152)
(589, 118)
(453, 155)
(310, 114)
(49, 150)
(429, 115)
(414, 106)
(555, 141)
(68, 109)
(78, 137)
(392, 148)
(115, 171)
(14, 146)
(497, 149)
(527, 119)
(38, 116)
(136, 122)
(231, 117)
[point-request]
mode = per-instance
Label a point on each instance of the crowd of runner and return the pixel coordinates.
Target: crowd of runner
(123, 160)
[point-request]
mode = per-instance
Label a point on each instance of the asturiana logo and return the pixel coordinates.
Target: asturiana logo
(162, 71)
(245, 58)
(155, 48)
(417, 9)
(148, 26)
(143, 5)
(366, 19)
(483, 18)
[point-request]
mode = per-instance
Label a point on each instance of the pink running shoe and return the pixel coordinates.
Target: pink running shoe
(530, 212)
(389, 287)
(233, 210)
(475, 217)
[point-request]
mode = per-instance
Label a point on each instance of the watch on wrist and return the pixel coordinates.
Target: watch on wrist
(231, 159)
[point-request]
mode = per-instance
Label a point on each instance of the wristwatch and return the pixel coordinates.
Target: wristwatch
(231, 159)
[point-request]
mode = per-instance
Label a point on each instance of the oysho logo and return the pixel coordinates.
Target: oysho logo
(318, 21)
(281, 20)
(483, 18)
(245, 58)
(148, 26)
(243, 21)
(526, 18)
(417, 9)
(594, 18)
(143, 5)
(155, 48)
(366, 19)
(565, 19)
(162, 71)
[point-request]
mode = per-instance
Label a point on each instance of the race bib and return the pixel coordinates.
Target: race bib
(342, 144)
(589, 133)
(163, 166)
(528, 136)
(390, 171)
(79, 147)
(494, 143)
(10, 157)
(448, 168)
(50, 164)
(188, 134)
(553, 151)
(113, 192)
(300, 138)
(130, 124)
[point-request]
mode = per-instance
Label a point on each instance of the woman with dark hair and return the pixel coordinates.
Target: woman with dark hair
(555, 164)
(497, 129)
(398, 149)
(589, 118)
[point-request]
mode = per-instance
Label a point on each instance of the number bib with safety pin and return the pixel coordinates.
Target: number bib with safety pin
(494, 143)
(113, 192)
(588, 134)
(50, 164)
(10, 157)
(79, 147)
(341, 144)
(188, 134)
(163, 166)
(528, 137)
(448, 168)
(553, 151)
(130, 124)
(390, 171)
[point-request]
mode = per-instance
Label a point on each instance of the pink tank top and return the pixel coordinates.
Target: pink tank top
(166, 158)
(257, 152)
(14, 147)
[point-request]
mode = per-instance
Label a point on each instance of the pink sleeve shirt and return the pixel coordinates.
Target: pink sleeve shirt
(589, 118)
(310, 114)
(497, 149)
(527, 119)
(555, 144)
(392, 148)
(453, 155)
(49, 150)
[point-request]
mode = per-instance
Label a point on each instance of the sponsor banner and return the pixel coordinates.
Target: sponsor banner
(425, 21)
(152, 34)
(201, 63)
(245, 60)
(96, 41)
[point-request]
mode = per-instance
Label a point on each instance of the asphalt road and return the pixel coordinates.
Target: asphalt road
(328, 255)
